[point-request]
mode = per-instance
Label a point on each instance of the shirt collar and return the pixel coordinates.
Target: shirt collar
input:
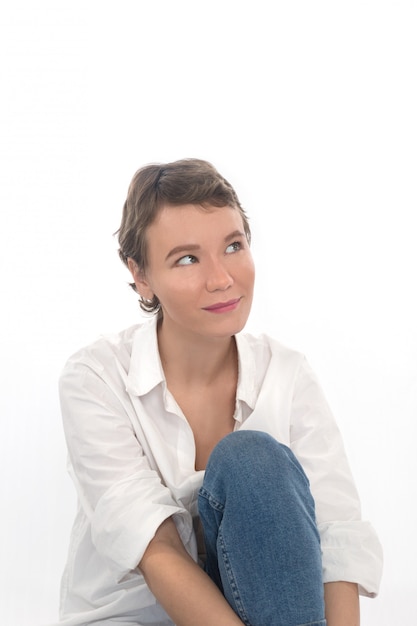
(146, 372)
(247, 382)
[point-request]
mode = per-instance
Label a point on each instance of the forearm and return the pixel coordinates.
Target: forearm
(342, 604)
(185, 591)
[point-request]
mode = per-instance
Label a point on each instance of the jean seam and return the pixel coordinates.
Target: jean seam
(232, 582)
(215, 504)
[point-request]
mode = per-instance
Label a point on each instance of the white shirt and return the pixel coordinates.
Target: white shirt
(132, 456)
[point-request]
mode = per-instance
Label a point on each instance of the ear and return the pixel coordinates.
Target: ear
(140, 280)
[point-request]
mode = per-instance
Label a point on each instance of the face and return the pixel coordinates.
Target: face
(200, 268)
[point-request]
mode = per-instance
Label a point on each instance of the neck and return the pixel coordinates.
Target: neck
(195, 361)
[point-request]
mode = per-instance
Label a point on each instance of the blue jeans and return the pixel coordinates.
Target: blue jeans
(262, 543)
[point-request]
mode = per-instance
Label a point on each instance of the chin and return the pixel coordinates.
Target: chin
(233, 328)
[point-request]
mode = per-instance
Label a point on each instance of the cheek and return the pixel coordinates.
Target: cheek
(178, 288)
(248, 272)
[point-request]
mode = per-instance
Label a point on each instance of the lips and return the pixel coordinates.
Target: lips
(223, 307)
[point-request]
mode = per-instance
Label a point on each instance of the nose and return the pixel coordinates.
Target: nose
(218, 278)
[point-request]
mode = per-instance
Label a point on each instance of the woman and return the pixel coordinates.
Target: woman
(212, 479)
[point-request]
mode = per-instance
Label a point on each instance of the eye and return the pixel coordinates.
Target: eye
(188, 259)
(234, 247)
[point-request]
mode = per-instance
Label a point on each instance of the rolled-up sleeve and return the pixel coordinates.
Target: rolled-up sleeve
(352, 552)
(122, 496)
(350, 547)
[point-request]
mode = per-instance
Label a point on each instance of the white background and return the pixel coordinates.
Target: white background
(309, 108)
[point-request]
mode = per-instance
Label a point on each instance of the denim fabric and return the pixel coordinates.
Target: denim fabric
(262, 543)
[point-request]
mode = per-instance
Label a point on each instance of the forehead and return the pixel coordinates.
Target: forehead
(191, 220)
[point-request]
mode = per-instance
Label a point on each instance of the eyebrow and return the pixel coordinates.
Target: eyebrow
(193, 247)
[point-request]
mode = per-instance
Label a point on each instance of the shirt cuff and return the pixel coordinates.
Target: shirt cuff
(352, 552)
(125, 521)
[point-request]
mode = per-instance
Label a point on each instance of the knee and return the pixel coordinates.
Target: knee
(252, 467)
(253, 453)
(241, 444)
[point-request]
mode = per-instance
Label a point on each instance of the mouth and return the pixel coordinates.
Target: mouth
(223, 307)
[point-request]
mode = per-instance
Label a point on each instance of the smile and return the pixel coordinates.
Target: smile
(223, 307)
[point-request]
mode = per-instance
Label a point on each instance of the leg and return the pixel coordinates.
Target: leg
(262, 543)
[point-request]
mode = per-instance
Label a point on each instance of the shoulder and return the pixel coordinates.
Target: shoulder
(109, 349)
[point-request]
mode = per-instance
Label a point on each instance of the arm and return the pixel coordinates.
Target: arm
(122, 495)
(187, 594)
(350, 548)
(342, 604)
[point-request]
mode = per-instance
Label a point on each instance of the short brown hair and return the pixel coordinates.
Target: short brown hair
(188, 181)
